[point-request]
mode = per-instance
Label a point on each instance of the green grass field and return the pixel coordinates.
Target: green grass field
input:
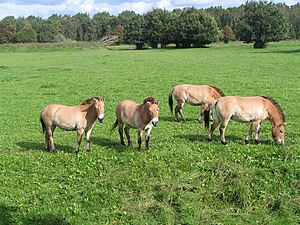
(182, 179)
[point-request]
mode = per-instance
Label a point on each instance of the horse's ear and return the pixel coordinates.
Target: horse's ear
(157, 102)
(96, 98)
(103, 98)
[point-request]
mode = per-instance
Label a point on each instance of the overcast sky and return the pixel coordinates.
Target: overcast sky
(45, 8)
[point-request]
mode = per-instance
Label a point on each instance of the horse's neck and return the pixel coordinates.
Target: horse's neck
(145, 113)
(88, 109)
(274, 115)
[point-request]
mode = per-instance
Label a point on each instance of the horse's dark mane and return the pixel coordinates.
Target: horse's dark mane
(218, 90)
(90, 100)
(149, 99)
(278, 107)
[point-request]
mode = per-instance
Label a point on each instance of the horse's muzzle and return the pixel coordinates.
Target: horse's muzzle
(155, 122)
(280, 142)
(101, 119)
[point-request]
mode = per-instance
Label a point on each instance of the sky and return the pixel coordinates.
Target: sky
(45, 8)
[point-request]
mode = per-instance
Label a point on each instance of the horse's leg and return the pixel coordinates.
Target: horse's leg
(213, 126)
(222, 129)
(147, 137)
(88, 139)
(252, 127)
(211, 115)
(140, 134)
(202, 109)
(126, 129)
(47, 144)
(257, 141)
(121, 133)
(176, 113)
(79, 137)
(49, 131)
(178, 109)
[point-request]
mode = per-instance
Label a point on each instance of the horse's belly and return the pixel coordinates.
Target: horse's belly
(67, 126)
(245, 117)
(130, 121)
(66, 123)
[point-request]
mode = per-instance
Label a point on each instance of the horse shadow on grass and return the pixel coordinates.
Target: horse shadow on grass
(172, 119)
(167, 118)
(203, 138)
(36, 146)
(109, 143)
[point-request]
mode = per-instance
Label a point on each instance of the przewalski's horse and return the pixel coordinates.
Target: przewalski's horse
(138, 116)
(80, 118)
(247, 109)
(202, 95)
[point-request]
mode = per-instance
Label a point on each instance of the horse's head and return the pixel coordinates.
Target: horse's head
(153, 111)
(99, 106)
(278, 133)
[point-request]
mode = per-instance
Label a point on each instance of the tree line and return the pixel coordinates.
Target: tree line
(252, 22)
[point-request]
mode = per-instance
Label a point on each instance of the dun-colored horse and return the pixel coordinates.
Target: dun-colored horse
(202, 95)
(247, 109)
(80, 118)
(138, 116)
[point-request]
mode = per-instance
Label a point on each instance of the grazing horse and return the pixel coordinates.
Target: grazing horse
(247, 109)
(139, 116)
(80, 118)
(202, 95)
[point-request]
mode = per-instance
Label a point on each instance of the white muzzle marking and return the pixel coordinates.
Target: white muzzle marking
(155, 121)
(101, 117)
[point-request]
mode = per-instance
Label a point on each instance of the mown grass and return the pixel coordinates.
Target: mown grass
(182, 179)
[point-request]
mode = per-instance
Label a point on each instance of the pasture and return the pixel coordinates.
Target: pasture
(182, 179)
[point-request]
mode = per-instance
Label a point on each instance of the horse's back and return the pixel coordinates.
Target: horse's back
(194, 94)
(128, 107)
(61, 115)
(241, 108)
(49, 110)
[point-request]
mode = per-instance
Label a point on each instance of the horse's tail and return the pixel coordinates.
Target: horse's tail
(171, 101)
(43, 123)
(206, 113)
(114, 126)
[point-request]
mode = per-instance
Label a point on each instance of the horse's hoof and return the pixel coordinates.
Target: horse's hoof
(200, 121)
(209, 140)
(258, 142)
(247, 142)
(224, 142)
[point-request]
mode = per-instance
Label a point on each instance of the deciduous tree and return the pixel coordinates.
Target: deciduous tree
(228, 34)
(195, 27)
(262, 22)
(26, 35)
